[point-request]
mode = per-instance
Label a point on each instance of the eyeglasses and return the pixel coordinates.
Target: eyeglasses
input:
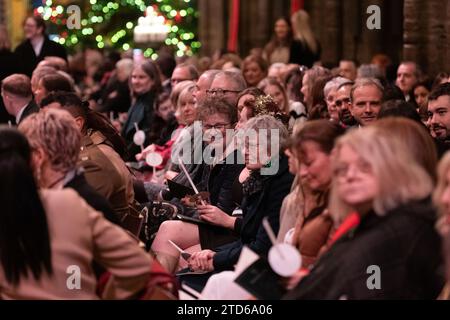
(339, 103)
(218, 126)
(220, 92)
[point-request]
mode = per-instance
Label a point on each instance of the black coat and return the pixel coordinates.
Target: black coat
(8, 66)
(265, 203)
(403, 244)
(92, 197)
(302, 54)
(4, 115)
(142, 112)
(220, 180)
(28, 59)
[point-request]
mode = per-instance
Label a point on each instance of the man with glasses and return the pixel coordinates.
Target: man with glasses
(227, 85)
(203, 84)
(343, 102)
(366, 96)
(329, 92)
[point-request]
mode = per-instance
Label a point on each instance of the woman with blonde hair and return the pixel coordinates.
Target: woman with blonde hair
(380, 199)
(416, 137)
(305, 49)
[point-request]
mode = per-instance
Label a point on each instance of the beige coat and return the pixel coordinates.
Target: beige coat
(80, 235)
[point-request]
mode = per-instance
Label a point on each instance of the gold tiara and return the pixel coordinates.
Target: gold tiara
(263, 104)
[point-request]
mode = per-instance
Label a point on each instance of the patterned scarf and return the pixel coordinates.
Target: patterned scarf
(253, 184)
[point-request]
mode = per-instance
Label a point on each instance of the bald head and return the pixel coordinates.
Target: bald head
(16, 92)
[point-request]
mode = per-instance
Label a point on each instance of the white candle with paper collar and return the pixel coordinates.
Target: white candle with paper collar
(139, 137)
(284, 258)
(154, 159)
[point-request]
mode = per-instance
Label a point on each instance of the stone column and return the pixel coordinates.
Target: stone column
(257, 20)
(351, 29)
(446, 50)
(212, 27)
(426, 34)
(332, 35)
(434, 55)
(412, 26)
(371, 40)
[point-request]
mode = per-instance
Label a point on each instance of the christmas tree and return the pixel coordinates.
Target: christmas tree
(110, 24)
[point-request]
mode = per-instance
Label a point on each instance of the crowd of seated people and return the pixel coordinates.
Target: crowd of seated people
(348, 166)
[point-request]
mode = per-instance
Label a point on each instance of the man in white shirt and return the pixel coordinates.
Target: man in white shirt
(17, 96)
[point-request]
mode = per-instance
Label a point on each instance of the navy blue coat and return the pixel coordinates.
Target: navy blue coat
(403, 244)
(266, 203)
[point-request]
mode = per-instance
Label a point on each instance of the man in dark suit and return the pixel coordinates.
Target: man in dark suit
(17, 97)
(37, 46)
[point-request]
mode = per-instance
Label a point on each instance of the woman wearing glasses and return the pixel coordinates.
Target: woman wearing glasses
(263, 195)
(216, 175)
(385, 246)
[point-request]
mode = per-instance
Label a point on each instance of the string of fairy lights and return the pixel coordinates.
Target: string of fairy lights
(110, 24)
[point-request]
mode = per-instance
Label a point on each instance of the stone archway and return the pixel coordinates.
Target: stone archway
(426, 37)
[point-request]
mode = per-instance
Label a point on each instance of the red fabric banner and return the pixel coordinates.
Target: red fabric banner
(233, 27)
(296, 5)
